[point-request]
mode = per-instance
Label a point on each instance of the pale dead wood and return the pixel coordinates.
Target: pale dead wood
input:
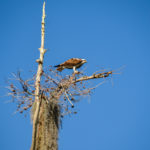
(94, 76)
(37, 82)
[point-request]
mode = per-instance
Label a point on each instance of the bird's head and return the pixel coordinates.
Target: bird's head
(84, 61)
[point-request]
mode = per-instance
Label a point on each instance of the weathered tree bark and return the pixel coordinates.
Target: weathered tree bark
(48, 126)
(37, 102)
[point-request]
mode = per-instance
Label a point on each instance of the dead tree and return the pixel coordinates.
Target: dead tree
(37, 102)
(50, 97)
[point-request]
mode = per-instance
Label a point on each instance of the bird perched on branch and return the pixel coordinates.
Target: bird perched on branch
(72, 63)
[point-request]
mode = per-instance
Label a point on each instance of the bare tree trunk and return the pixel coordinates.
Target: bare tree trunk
(46, 112)
(48, 126)
(37, 102)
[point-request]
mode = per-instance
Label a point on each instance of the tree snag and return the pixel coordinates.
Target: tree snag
(37, 102)
(51, 96)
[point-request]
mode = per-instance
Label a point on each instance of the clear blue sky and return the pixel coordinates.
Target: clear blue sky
(109, 34)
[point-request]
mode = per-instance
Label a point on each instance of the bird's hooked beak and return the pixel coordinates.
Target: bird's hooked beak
(84, 61)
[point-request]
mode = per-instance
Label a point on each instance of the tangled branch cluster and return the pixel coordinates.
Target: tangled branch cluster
(54, 87)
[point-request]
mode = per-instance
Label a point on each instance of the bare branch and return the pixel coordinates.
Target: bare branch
(94, 76)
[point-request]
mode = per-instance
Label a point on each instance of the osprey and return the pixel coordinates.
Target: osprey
(72, 63)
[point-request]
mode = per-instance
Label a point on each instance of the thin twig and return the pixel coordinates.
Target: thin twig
(68, 99)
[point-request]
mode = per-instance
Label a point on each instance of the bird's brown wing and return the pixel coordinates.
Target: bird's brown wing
(69, 64)
(72, 62)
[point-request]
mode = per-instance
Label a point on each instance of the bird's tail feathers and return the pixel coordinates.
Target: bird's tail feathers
(59, 67)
